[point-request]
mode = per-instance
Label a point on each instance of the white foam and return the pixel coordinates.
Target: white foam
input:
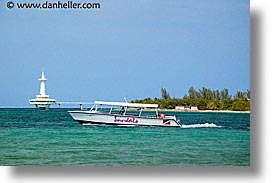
(205, 125)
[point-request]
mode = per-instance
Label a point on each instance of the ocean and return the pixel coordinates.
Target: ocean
(52, 138)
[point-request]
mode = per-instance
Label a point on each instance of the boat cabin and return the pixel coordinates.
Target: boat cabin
(123, 108)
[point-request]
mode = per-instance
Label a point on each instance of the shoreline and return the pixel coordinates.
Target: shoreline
(200, 111)
(204, 111)
(164, 110)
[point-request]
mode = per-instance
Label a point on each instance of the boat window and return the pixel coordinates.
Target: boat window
(122, 110)
(93, 108)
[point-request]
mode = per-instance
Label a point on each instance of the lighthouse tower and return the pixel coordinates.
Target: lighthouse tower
(42, 101)
(42, 85)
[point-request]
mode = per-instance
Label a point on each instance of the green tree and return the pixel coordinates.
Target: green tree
(225, 94)
(248, 94)
(241, 105)
(216, 94)
(206, 93)
(226, 104)
(212, 105)
(192, 92)
(240, 95)
(198, 95)
(164, 94)
(201, 104)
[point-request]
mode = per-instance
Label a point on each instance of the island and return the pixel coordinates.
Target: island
(202, 100)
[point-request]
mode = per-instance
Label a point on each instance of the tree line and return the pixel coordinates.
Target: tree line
(204, 99)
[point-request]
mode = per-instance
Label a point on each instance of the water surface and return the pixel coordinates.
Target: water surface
(52, 137)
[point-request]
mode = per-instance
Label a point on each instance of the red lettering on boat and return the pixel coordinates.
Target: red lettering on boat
(125, 120)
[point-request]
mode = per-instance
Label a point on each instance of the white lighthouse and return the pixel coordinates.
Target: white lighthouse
(42, 101)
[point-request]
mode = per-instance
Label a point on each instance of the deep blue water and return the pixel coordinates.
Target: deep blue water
(52, 137)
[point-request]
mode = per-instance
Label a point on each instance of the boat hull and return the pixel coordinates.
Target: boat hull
(91, 118)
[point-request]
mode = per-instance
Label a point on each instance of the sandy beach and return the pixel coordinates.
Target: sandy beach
(223, 111)
(202, 111)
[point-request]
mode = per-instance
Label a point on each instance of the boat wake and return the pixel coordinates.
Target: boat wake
(205, 125)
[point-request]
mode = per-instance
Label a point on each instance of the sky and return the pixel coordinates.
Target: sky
(125, 49)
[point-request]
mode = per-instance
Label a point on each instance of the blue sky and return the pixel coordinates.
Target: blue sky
(124, 49)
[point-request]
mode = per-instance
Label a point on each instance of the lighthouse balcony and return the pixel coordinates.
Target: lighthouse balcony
(42, 101)
(42, 96)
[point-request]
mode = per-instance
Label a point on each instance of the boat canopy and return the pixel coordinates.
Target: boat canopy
(127, 104)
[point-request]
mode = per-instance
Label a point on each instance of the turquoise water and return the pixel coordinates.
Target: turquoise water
(33, 137)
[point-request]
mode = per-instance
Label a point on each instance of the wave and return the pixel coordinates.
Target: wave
(205, 125)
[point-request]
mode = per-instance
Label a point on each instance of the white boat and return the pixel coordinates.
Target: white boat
(124, 114)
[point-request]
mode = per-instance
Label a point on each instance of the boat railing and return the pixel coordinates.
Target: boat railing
(126, 109)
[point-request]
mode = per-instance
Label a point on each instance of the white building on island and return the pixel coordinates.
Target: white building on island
(42, 101)
(190, 108)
